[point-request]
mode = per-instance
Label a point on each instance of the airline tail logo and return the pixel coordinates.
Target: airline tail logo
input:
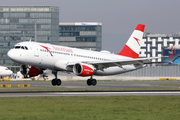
(137, 40)
(173, 51)
(132, 47)
(47, 49)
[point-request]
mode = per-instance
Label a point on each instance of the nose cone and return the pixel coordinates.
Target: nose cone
(10, 72)
(7, 72)
(11, 54)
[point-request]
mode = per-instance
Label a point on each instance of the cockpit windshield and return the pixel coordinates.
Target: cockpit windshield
(20, 47)
(17, 47)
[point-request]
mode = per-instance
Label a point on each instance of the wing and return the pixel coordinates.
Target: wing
(100, 65)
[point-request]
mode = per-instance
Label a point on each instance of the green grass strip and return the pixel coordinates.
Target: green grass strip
(91, 108)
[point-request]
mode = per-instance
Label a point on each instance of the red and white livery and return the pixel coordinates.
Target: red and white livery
(39, 56)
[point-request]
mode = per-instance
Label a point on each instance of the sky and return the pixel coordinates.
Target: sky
(118, 17)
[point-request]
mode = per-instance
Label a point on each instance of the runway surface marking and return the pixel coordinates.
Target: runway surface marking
(82, 93)
(116, 93)
(54, 94)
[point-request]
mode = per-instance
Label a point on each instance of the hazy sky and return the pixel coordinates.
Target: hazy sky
(118, 17)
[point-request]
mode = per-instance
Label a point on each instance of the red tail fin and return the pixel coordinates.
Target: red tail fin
(132, 47)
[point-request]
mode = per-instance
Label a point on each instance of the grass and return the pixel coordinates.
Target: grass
(88, 108)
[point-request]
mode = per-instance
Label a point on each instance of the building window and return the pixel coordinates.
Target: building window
(40, 15)
(69, 34)
(86, 39)
(78, 28)
(4, 21)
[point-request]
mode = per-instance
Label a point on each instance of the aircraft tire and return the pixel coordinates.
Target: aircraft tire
(58, 82)
(89, 83)
(53, 82)
(93, 82)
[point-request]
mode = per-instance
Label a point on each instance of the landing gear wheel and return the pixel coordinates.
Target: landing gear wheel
(89, 82)
(93, 82)
(58, 82)
(53, 82)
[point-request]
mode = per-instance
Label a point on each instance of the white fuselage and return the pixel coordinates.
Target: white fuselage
(57, 58)
(4, 71)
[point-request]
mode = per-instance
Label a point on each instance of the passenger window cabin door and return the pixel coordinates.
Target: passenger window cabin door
(36, 50)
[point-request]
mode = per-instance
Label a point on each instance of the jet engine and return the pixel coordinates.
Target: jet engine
(30, 71)
(82, 69)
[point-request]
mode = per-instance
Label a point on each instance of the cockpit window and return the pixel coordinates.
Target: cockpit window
(20, 47)
(17, 47)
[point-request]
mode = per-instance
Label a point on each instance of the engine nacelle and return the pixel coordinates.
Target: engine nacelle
(82, 69)
(30, 71)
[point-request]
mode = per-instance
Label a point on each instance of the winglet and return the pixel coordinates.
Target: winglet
(132, 47)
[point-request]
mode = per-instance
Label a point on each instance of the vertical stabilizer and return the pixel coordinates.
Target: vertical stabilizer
(132, 47)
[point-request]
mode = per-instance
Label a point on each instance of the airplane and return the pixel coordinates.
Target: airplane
(36, 57)
(4, 71)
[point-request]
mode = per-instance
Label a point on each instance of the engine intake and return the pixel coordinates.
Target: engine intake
(82, 69)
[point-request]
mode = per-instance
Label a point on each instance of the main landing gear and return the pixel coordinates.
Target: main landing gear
(55, 81)
(91, 81)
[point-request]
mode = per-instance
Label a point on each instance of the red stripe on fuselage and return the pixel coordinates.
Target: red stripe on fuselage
(128, 52)
(47, 49)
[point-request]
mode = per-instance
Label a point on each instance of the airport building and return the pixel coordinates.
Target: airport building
(159, 45)
(154, 45)
(84, 35)
(17, 23)
(174, 53)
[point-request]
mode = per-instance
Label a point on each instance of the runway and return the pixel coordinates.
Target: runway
(103, 88)
(89, 94)
(101, 85)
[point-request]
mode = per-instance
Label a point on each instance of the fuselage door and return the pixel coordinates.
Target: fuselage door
(36, 50)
